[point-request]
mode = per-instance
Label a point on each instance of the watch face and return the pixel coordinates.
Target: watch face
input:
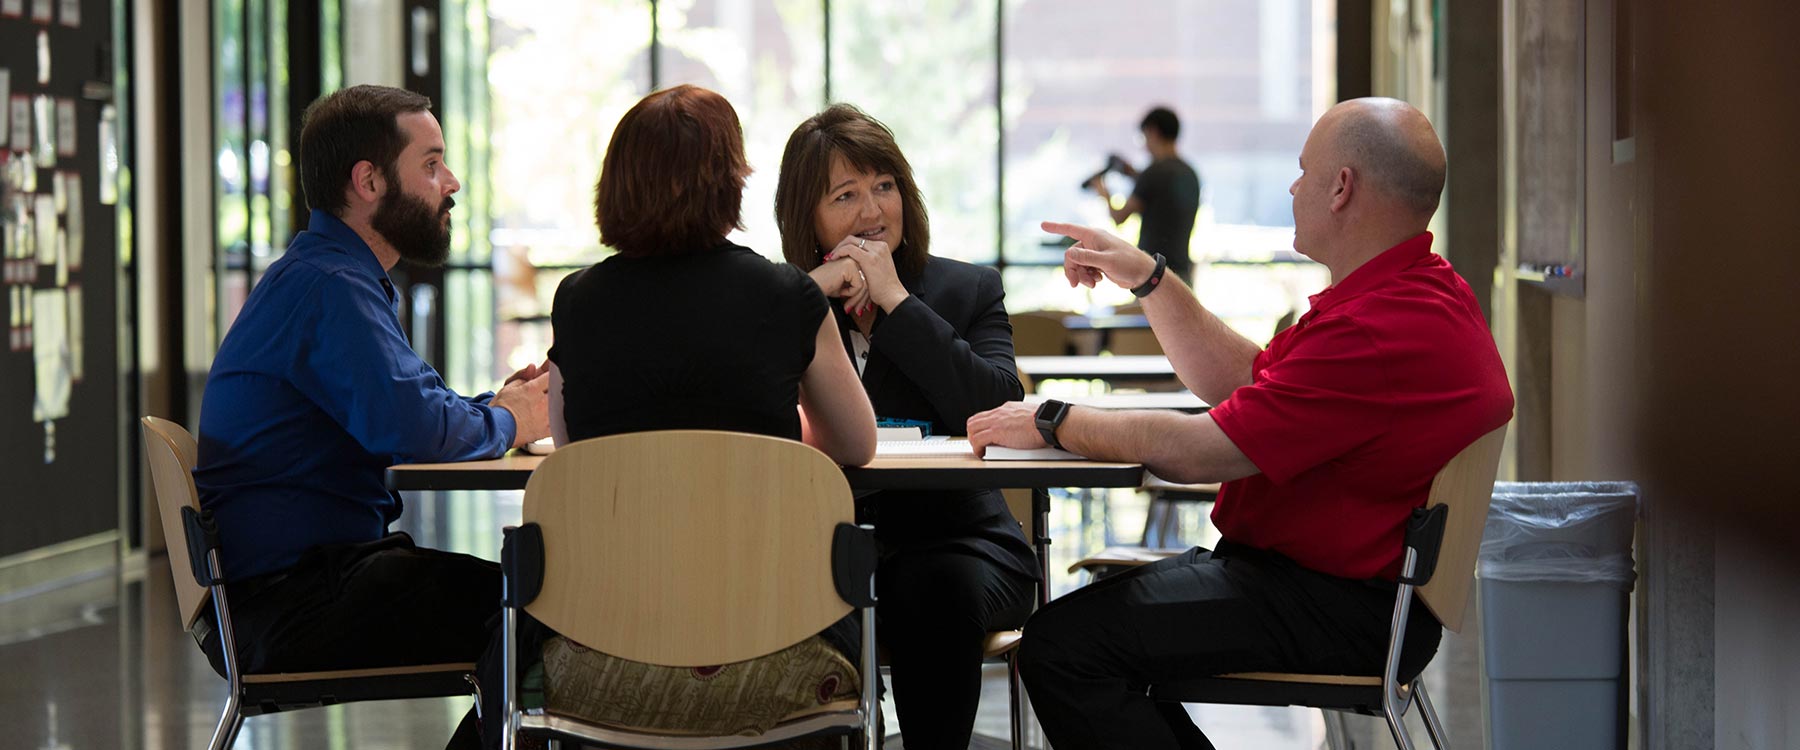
(1051, 411)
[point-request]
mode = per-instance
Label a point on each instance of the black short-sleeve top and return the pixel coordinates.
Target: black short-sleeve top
(715, 339)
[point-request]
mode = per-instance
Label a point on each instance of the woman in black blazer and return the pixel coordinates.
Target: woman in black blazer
(932, 343)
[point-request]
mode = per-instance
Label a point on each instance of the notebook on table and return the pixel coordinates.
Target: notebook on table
(941, 447)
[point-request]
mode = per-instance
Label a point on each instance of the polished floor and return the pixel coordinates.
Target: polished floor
(101, 663)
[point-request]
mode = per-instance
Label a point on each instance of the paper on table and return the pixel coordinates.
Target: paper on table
(929, 447)
(542, 447)
(884, 434)
(997, 453)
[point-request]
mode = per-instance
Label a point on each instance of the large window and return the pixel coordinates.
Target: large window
(560, 75)
(1241, 77)
(927, 69)
(262, 78)
(768, 59)
(1003, 107)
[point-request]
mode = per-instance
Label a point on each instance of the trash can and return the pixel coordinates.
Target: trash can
(1555, 575)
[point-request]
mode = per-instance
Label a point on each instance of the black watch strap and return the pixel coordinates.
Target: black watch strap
(1150, 284)
(1050, 415)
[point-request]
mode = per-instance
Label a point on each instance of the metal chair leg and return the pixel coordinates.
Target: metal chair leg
(1337, 736)
(1397, 724)
(1015, 693)
(474, 692)
(229, 723)
(1429, 714)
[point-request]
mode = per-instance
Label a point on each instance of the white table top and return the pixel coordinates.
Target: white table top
(1097, 368)
(1174, 401)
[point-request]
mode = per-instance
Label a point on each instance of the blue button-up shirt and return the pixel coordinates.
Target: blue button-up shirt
(314, 393)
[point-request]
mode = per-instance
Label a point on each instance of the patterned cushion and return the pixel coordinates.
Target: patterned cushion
(747, 697)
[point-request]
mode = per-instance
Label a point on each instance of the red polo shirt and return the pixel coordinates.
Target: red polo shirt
(1353, 410)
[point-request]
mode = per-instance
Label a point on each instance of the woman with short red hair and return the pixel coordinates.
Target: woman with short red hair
(683, 329)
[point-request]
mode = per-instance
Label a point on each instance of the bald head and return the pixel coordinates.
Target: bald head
(1390, 145)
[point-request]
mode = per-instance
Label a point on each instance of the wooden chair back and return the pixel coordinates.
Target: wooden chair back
(1018, 501)
(1466, 484)
(1040, 333)
(688, 548)
(171, 452)
(1133, 342)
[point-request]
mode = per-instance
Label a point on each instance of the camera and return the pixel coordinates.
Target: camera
(1113, 164)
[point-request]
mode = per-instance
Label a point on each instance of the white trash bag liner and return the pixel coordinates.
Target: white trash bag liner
(1574, 532)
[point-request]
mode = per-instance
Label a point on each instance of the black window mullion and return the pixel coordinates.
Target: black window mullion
(826, 4)
(1000, 135)
(655, 50)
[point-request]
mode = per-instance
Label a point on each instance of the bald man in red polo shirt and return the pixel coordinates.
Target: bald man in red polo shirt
(1325, 442)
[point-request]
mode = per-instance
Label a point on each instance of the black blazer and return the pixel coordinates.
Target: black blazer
(944, 355)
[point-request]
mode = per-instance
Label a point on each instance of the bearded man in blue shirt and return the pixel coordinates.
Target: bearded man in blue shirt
(315, 392)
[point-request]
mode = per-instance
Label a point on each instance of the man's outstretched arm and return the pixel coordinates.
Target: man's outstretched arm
(1211, 359)
(1188, 448)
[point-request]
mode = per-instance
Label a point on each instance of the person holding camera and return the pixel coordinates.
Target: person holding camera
(1167, 193)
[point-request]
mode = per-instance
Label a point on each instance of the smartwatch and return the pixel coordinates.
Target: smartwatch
(1149, 285)
(1050, 415)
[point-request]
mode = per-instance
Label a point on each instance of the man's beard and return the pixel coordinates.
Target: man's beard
(416, 231)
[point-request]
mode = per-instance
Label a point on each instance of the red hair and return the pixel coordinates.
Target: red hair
(673, 179)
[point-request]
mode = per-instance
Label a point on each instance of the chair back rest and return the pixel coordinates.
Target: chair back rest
(1466, 485)
(1128, 342)
(172, 453)
(1019, 502)
(688, 548)
(1040, 333)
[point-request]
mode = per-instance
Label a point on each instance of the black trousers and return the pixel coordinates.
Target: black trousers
(350, 606)
(1199, 613)
(933, 613)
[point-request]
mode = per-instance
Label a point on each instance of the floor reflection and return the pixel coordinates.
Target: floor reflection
(103, 663)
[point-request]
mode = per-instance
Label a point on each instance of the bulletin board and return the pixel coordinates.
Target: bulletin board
(1545, 116)
(60, 427)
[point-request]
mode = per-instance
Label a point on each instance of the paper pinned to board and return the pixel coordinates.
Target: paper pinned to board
(43, 126)
(44, 219)
(43, 46)
(50, 353)
(109, 155)
(77, 352)
(65, 127)
(20, 122)
(75, 221)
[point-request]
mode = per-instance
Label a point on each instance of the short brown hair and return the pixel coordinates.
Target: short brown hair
(340, 129)
(673, 179)
(843, 130)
